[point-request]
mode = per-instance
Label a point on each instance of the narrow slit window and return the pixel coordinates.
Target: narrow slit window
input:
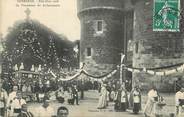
(136, 47)
(88, 51)
(99, 26)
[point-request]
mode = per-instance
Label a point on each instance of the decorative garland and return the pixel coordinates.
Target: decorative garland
(164, 72)
(97, 78)
(110, 74)
(100, 78)
(69, 78)
(105, 77)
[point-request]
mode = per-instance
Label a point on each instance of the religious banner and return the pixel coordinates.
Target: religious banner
(166, 15)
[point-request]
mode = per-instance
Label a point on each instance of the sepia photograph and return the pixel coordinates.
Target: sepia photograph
(91, 58)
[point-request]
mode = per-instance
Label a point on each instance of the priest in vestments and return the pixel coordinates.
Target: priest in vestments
(121, 99)
(135, 99)
(149, 107)
(103, 98)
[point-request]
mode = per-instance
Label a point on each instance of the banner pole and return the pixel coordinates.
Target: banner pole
(121, 68)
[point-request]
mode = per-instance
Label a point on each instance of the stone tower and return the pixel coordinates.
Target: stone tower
(102, 34)
(154, 49)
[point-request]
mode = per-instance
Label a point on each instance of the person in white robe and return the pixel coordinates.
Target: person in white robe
(70, 97)
(181, 103)
(103, 98)
(177, 96)
(16, 104)
(149, 107)
(66, 96)
(12, 95)
(112, 95)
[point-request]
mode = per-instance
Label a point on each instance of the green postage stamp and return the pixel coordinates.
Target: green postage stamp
(166, 15)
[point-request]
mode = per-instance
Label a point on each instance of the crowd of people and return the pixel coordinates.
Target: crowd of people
(16, 95)
(14, 105)
(35, 90)
(13, 100)
(121, 97)
(124, 100)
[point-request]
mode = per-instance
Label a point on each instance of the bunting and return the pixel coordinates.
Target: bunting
(69, 78)
(97, 78)
(110, 74)
(162, 72)
(102, 77)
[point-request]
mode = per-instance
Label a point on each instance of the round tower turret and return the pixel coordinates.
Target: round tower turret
(101, 34)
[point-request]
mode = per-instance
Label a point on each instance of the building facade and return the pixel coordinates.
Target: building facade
(111, 27)
(154, 49)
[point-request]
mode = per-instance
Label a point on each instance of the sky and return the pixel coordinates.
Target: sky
(62, 20)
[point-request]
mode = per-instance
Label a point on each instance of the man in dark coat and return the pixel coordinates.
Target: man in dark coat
(178, 84)
(7, 86)
(82, 90)
(75, 94)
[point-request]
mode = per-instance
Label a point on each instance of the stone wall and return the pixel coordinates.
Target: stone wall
(83, 5)
(106, 45)
(154, 49)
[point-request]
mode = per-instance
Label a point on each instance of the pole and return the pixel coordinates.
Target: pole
(124, 48)
(121, 74)
(121, 68)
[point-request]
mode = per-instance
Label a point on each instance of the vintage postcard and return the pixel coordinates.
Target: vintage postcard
(91, 58)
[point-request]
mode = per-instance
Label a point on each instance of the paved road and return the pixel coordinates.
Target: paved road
(87, 107)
